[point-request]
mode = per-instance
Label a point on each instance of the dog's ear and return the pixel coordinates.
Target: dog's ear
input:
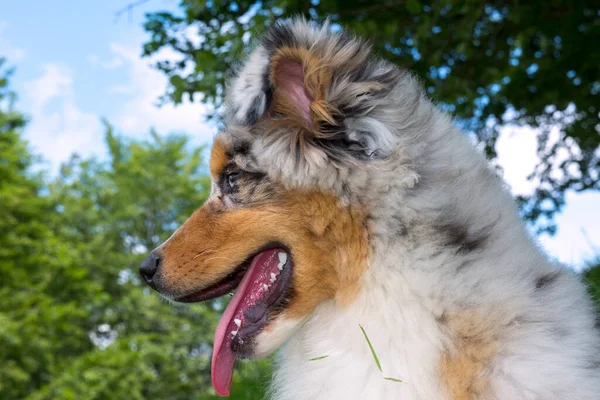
(299, 81)
(319, 86)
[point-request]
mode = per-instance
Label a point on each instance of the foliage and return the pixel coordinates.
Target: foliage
(488, 62)
(75, 321)
(591, 277)
(40, 281)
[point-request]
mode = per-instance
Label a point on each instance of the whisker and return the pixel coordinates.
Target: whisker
(203, 252)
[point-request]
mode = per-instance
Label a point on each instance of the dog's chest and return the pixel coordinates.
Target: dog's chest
(330, 358)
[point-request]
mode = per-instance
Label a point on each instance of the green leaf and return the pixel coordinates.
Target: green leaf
(318, 358)
(413, 6)
(393, 379)
(371, 347)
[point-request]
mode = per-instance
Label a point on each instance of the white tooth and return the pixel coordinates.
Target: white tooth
(233, 333)
(282, 257)
(265, 286)
(238, 322)
(273, 277)
(280, 266)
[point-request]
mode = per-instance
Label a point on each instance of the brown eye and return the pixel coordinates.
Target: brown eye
(231, 179)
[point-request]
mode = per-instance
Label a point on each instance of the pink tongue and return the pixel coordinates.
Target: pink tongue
(250, 289)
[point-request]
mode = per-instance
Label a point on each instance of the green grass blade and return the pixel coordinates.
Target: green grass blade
(371, 347)
(393, 379)
(318, 358)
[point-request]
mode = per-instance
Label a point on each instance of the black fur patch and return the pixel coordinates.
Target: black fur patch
(594, 362)
(387, 79)
(267, 88)
(340, 147)
(279, 35)
(442, 319)
(458, 236)
(544, 281)
(239, 147)
(255, 111)
(464, 264)
(396, 224)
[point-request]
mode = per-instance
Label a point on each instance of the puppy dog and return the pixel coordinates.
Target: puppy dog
(341, 197)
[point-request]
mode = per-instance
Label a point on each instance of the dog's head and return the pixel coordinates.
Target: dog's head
(311, 120)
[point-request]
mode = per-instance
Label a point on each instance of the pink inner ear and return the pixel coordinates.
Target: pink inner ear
(290, 79)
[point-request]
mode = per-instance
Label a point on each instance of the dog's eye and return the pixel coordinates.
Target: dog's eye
(231, 179)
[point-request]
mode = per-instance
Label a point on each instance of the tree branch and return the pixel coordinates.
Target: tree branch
(129, 7)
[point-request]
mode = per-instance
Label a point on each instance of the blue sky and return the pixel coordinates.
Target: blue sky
(76, 63)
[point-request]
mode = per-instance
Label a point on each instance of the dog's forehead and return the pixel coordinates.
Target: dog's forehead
(232, 147)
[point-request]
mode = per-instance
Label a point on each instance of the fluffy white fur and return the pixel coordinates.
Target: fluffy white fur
(430, 182)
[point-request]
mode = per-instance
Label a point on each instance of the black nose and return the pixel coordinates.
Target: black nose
(148, 268)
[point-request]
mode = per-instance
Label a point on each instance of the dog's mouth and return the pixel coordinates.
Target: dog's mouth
(262, 282)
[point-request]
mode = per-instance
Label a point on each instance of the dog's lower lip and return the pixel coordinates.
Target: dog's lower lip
(221, 288)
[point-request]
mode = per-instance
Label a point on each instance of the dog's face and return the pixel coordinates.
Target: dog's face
(285, 225)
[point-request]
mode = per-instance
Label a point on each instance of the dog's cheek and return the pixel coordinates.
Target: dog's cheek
(274, 335)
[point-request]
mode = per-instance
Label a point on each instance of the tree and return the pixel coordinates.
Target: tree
(75, 320)
(41, 283)
(488, 62)
(117, 211)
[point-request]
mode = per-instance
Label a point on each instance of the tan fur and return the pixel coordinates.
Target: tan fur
(218, 157)
(328, 245)
(465, 363)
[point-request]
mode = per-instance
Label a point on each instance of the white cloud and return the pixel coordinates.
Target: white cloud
(55, 82)
(58, 126)
(112, 63)
(121, 89)
(144, 86)
(12, 53)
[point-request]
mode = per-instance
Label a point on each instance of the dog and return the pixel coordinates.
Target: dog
(369, 242)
